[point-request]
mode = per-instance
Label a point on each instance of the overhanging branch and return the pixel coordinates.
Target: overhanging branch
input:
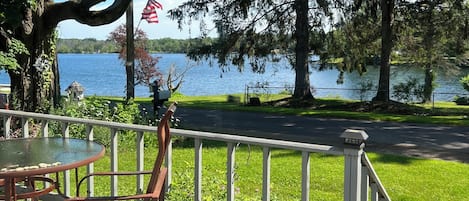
(80, 11)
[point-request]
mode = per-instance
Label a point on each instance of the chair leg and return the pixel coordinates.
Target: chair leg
(32, 185)
(163, 192)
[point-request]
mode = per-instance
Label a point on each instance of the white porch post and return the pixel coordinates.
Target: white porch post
(353, 150)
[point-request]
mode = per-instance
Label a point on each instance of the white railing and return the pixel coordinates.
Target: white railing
(359, 175)
(371, 179)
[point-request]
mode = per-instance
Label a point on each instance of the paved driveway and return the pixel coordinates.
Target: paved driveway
(422, 140)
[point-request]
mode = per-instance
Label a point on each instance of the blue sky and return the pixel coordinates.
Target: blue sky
(165, 28)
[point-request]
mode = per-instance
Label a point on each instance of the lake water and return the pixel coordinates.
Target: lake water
(104, 74)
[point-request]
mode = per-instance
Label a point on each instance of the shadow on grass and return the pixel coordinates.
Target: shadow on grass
(183, 142)
(393, 159)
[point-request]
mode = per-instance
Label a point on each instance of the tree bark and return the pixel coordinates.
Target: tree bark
(428, 44)
(301, 36)
(387, 7)
(35, 86)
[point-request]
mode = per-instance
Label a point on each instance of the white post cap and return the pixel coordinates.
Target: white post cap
(353, 136)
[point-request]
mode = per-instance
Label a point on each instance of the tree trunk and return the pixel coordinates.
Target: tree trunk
(35, 85)
(428, 85)
(428, 44)
(387, 7)
(302, 83)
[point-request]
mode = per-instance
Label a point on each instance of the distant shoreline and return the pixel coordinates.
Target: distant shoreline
(91, 45)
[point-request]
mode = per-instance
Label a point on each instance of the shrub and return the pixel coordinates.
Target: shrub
(461, 100)
(409, 91)
(99, 109)
(465, 82)
(364, 88)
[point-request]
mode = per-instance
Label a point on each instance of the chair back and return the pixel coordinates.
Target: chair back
(164, 138)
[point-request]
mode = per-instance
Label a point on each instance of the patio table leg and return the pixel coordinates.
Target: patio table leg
(76, 181)
(57, 183)
(10, 189)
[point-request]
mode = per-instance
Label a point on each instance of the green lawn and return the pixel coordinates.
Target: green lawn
(404, 178)
(440, 113)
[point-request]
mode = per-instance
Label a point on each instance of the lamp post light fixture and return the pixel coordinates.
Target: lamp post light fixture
(354, 137)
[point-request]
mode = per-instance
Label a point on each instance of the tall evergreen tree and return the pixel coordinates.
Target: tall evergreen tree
(254, 29)
(387, 43)
(430, 24)
(354, 38)
(365, 24)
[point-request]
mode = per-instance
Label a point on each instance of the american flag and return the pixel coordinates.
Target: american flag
(149, 12)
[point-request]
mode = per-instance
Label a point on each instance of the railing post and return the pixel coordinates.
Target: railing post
(45, 128)
(45, 133)
(140, 160)
(66, 183)
(374, 192)
(198, 169)
(6, 126)
(90, 167)
(305, 175)
(266, 174)
(65, 130)
(25, 127)
(230, 171)
(169, 165)
(354, 141)
(114, 161)
(365, 183)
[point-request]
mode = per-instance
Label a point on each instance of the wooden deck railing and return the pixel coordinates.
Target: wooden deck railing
(358, 172)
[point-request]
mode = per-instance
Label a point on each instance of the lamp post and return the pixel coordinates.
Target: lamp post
(130, 57)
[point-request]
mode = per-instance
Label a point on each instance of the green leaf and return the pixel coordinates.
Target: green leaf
(8, 63)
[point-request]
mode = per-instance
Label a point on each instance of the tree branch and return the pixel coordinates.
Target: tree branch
(80, 11)
(4, 40)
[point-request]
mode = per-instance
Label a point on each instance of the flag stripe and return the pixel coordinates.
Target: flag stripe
(149, 12)
(152, 4)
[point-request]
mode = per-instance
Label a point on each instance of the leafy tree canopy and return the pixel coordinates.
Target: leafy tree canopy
(254, 29)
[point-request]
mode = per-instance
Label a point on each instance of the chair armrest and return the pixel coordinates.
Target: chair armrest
(158, 193)
(129, 173)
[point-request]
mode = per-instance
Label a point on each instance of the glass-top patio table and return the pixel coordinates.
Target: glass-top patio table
(28, 157)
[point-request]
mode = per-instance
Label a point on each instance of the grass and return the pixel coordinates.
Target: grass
(404, 178)
(447, 113)
(440, 113)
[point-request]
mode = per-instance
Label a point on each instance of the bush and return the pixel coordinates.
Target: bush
(365, 88)
(465, 82)
(233, 99)
(461, 100)
(409, 91)
(99, 109)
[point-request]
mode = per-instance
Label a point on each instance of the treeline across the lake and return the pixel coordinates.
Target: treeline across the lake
(91, 45)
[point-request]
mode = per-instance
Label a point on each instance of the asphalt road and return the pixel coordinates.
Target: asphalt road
(421, 140)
